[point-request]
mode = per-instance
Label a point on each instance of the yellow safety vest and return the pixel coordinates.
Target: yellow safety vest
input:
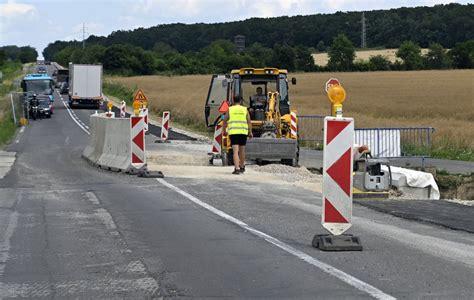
(238, 120)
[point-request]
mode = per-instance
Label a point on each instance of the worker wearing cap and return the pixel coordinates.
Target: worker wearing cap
(238, 125)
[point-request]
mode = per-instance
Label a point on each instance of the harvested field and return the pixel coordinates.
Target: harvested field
(321, 59)
(441, 99)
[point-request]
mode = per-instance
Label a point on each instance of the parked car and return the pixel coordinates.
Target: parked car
(64, 88)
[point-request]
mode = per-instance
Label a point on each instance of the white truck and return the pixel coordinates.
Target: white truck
(85, 85)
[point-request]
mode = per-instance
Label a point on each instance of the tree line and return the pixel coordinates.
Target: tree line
(342, 54)
(442, 24)
(24, 54)
(221, 56)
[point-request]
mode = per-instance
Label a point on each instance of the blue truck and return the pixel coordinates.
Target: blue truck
(41, 85)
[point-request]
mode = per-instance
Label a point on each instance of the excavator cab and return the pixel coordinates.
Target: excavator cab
(265, 93)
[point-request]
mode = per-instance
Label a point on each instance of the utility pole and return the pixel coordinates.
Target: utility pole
(363, 36)
(83, 36)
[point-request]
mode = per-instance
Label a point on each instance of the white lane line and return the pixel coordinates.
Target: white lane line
(74, 119)
(349, 279)
(19, 135)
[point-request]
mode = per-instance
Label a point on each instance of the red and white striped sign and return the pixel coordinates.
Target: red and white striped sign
(331, 82)
(123, 109)
(137, 125)
(294, 125)
(217, 142)
(144, 114)
(337, 174)
(165, 125)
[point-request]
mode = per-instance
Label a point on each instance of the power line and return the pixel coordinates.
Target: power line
(363, 36)
(83, 36)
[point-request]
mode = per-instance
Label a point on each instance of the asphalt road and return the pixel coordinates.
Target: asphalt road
(70, 230)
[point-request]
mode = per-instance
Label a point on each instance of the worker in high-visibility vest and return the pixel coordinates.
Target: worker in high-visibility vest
(238, 125)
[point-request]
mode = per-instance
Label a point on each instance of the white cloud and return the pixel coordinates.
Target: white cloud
(12, 9)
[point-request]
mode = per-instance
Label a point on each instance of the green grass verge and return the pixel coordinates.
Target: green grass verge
(444, 150)
(10, 70)
(7, 130)
(118, 91)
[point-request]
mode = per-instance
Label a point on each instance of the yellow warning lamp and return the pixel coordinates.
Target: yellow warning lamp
(337, 95)
(136, 107)
(110, 105)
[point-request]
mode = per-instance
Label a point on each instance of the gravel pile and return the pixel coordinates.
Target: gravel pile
(288, 173)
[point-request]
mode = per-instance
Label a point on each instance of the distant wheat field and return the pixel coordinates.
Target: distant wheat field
(440, 99)
(321, 59)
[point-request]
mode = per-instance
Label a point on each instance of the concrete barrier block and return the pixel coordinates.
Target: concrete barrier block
(109, 144)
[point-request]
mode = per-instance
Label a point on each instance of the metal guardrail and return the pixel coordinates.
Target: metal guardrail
(383, 142)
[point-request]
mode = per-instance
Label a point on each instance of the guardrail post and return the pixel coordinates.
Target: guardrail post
(13, 108)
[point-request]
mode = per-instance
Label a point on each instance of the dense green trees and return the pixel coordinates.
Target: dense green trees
(341, 54)
(285, 42)
(437, 57)
(3, 57)
(443, 24)
(24, 54)
(410, 53)
(463, 55)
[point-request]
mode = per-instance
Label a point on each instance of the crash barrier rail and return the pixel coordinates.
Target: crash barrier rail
(383, 142)
(109, 144)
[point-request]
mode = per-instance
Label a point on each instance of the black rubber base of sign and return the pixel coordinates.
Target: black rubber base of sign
(345, 242)
(150, 174)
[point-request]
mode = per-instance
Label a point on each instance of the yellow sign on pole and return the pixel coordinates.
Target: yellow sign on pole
(139, 101)
(140, 96)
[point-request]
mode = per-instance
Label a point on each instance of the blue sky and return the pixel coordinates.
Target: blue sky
(38, 22)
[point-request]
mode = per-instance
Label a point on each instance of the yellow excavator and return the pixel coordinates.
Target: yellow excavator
(271, 122)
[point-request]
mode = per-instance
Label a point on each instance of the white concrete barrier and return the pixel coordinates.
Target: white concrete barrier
(109, 145)
(94, 150)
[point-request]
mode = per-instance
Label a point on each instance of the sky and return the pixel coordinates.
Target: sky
(39, 22)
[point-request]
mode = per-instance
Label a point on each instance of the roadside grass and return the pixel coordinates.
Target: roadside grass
(439, 99)
(119, 91)
(11, 70)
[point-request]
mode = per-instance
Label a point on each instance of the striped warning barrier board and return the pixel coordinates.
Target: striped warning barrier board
(217, 141)
(337, 174)
(137, 125)
(165, 125)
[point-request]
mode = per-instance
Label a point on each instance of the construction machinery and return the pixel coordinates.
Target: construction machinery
(271, 122)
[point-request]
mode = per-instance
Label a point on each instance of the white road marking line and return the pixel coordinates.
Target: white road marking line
(74, 119)
(22, 129)
(349, 279)
(5, 244)
(92, 198)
